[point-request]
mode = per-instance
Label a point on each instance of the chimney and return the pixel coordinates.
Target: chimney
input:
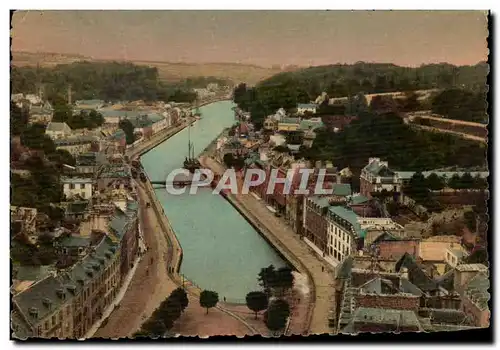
(33, 311)
(69, 95)
(60, 293)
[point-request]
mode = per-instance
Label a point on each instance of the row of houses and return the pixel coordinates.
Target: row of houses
(397, 295)
(94, 256)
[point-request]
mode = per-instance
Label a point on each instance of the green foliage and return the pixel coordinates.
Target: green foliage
(86, 120)
(18, 119)
(478, 256)
(128, 128)
(294, 137)
(257, 301)
(341, 80)
(277, 315)
(208, 299)
(281, 149)
(109, 81)
(388, 137)
(461, 105)
(434, 182)
(180, 295)
(232, 161)
(470, 220)
(280, 279)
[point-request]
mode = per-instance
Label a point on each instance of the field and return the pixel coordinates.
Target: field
(168, 71)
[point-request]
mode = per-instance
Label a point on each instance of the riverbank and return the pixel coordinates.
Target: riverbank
(296, 251)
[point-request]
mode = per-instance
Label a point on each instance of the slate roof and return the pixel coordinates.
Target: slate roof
(31, 273)
(38, 296)
(307, 105)
(75, 140)
(348, 215)
(75, 180)
(57, 127)
(388, 317)
(310, 125)
(86, 159)
(74, 242)
(290, 121)
(416, 274)
(477, 290)
(322, 202)
(345, 268)
(359, 199)
(342, 190)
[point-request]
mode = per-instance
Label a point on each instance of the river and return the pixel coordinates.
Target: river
(221, 250)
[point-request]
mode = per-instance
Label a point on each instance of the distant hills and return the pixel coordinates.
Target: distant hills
(168, 71)
(342, 79)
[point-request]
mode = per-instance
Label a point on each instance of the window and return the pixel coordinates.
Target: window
(82, 186)
(46, 325)
(71, 186)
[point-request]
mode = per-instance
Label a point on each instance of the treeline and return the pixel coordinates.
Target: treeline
(202, 82)
(109, 81)
(343, 80)
(289, 88)
(461, 105)
(388, 137)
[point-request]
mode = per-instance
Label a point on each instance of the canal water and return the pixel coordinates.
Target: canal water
(221, 250)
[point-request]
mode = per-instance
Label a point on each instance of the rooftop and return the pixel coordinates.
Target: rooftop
(307, 105)
(58, 127)
(76, 180)
(471, 268)
(348, 215)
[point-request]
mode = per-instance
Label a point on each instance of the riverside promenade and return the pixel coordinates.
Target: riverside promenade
(294, 249)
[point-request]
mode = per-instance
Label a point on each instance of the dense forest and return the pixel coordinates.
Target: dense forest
(289, 88)
(388, 137)
(109, 81)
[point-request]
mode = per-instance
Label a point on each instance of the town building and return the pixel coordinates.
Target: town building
(77, 144)
(302, 108)
(56, 130)
(41, 114)
(376, 177)
(77, 187)
(289, 124)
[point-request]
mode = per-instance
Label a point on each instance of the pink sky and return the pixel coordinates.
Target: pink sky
(258, 37)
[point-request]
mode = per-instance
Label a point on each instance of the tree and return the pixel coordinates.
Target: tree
(434, 182)
(153, 328)
(19, 118)
(277, 315)
(208, 299)
(128, 129)
(257, 301)
(180, 295)
(284, 279)
(454, 182)
(470, 221)
(267, 278)
(467, 181)
(281, 149)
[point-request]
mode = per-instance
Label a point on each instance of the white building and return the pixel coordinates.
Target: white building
(343, 229)
(57, 130)
(376, 177)
(306, 107)
(454, 256)
(73, 186)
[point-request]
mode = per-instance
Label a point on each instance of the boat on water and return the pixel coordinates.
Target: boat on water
(190, 162)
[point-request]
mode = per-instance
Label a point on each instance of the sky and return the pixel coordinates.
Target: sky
(265, 38)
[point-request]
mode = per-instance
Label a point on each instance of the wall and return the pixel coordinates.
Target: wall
(395, 249)
(315, 228)
(481, 318)
(85, 192)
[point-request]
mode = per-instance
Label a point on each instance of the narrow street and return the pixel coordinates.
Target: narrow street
(151, 285)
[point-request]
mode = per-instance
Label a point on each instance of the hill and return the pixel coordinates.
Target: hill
(341, 80)
(168, 71)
